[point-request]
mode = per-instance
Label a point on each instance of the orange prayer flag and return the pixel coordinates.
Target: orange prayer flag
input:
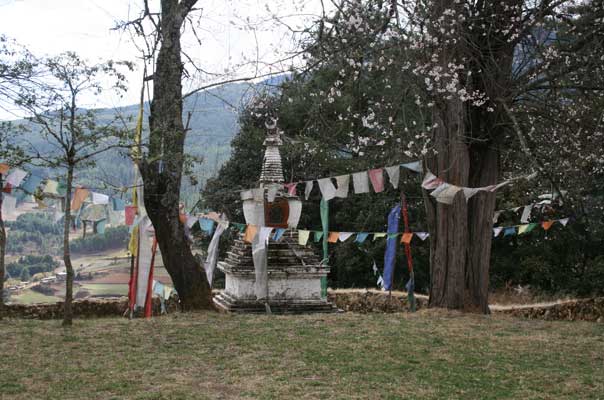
(78, 198)
(547, 224)
(250, 233)
(406, 238)
(333, 237)
(4, 168)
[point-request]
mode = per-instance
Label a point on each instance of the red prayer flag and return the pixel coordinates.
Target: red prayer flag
(376, 176)
(291, 188)
(130, 212)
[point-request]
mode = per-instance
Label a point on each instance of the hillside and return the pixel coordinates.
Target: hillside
(213, 123)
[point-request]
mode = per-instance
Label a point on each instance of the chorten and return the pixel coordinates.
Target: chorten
(293, 272)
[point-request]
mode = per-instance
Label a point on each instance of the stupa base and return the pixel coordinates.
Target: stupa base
(282, 306)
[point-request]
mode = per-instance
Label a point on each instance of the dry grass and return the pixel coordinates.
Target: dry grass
(427, 355)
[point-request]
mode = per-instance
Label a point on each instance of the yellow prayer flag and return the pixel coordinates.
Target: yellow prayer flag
(250, 233)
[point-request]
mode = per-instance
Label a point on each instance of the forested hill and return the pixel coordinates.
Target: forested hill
(213, 123)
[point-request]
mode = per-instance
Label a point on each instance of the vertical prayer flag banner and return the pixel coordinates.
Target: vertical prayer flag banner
(406, 238)
(324, 210)
(250, 233)
(547, 224)
(393, 218)
(308, 189)
(376, 176)
(361, 237)
(333, 237)
(130, 214)
(360, 181)
(303, 236)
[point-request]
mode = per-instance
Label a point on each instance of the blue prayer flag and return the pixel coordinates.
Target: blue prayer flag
(278, 234)
(391, 245)
(361, 237)
(206, 225)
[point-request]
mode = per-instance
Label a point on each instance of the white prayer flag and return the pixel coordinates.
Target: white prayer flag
(360, 181)
(497, 231)
(328, 190)
(344, 236)
(16, 177)
(394, 174)
(564, 221)
(308, 189)
(343, 182)
(99, 198)
(422, 235)
(526, 214)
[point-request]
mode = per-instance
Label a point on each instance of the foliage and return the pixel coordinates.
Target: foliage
(30, 265)
(114, 237)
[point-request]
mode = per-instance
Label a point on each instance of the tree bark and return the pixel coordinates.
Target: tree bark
(2, 247)
(67, 305)
(162, 168)
(466, 141)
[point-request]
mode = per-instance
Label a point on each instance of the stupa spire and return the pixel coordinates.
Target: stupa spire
(272, 168)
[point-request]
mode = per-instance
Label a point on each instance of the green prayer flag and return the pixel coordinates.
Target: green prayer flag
(325, 225)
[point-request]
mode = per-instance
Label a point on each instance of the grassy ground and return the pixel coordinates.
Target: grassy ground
(105, 289)
(428, 355)
(32, 297)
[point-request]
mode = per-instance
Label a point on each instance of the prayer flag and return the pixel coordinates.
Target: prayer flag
(391, 235)
(51, 187)
(99, 198)
(378, 235)
(258, 194)
(343, 182)
(469, 192)
(415, 166)
(345, 235)
(509, 231)
(303, 237)
(308, 189)
(406, 238)
(100, 226)
(497, 231)
(9, 208)
(547, 224)
(333, 237)
(526, 214)
(389, 255)
(130, 214)
(250, 233)
(318, 235)
(271, 193)
(291, 188)
(78, 198)
(265, 233)
(496, 216)
(4, 168)
(247, 195)
(380, 281)
(206, 225)
(30, 184)
(431, 181)
(361, 237)
(278, 234)
(564, 221)
(377, 179)
(15, 177)
(328, 190)
(394, 174)
(522, 229)
(447, 195)
(118, 204)
(422, 235)
(360, 181)
(210, 263)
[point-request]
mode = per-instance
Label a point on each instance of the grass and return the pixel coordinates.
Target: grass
(105, 289)
(29, 296)
(428, 355)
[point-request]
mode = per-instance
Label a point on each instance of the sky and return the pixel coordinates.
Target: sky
(232, 32)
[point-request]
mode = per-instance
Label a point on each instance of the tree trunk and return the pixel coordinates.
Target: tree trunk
(162, 168)
(2, 247)
(67, 305)
(466, 141)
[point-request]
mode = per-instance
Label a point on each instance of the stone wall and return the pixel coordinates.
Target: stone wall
(573, 310)
(81, 309)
